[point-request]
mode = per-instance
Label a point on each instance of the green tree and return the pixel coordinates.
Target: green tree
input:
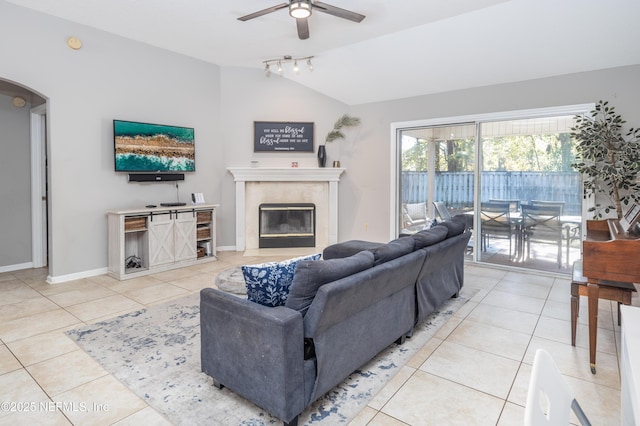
(609, 160)
(415, 158)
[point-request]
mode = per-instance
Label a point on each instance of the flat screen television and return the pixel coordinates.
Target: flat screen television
(153, 148)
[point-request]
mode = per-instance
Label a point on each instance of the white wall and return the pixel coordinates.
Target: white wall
(111, 77)
(15, 184)
(364, 197)
(248, 95)
(108, 78)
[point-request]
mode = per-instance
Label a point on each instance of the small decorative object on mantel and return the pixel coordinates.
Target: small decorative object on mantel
(345, 121)
(322, 156)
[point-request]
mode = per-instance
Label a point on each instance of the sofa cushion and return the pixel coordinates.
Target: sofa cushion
(268, 283)
(392, 250)
(429, 237)
(310, 276)
(456, 226)
(348, 248)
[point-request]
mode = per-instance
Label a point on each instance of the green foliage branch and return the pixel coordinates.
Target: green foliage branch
(345, 121)
(609, 160)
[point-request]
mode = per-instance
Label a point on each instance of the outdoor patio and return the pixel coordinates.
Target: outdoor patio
(542, 257)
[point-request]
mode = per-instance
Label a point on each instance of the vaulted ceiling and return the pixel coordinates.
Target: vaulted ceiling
(402, 48)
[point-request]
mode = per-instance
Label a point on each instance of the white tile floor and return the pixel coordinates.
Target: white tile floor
(474, 371)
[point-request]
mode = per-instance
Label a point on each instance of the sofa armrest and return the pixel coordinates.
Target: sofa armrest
(254, 350)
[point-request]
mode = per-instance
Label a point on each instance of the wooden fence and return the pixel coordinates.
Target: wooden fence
(456, 189)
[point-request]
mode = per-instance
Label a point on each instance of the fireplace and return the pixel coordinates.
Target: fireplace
(258, 185)
(287, 225)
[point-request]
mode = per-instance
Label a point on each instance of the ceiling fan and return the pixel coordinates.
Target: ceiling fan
(302, 9)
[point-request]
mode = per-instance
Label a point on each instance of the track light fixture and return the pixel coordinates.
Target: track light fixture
(285, 60)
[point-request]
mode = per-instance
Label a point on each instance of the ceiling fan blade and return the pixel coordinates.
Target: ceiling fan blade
(303, 28)
(336, 11)
(263, 12)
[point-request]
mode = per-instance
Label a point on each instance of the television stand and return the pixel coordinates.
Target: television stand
(175, 204)
(160, 239)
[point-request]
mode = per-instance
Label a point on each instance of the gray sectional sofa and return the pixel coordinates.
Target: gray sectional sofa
(340, 313)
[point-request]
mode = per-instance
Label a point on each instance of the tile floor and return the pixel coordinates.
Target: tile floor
(475, 371)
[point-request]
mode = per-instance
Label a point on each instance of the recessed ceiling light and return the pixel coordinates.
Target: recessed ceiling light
(74, 43)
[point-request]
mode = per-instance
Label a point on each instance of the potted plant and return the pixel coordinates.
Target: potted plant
(609, 160)
(345, 121)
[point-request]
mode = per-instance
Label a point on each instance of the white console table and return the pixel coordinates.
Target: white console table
(630, 365)
(147, 240)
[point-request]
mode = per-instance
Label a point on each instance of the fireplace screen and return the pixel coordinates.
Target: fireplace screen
(287, 225)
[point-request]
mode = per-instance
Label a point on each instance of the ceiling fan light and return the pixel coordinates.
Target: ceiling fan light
(300, 9)
(296, 68)
(279, 67)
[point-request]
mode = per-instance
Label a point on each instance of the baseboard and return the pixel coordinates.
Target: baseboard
(78, 275)
(226, 248)
(17, 267)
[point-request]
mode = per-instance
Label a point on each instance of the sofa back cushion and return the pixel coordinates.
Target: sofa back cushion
(392, 250)
(310, 276)
(268, 283)
(348, 248)
(456, 225)
(429, 237)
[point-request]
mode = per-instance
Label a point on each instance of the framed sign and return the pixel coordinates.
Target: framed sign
(280, 136)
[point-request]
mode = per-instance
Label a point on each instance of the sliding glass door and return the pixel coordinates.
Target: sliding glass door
(436, 170)
(530, 196)
(511, 178)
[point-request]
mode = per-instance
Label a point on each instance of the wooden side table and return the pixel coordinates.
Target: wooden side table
(598, 289)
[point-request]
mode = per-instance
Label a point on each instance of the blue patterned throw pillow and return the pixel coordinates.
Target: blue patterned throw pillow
(268, 283)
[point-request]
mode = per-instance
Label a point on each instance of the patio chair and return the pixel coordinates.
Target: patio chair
(549, 203)
(514, 205)
(414, 215)
(541, 224)
(571, 230)
(442, 210)
(496, 222)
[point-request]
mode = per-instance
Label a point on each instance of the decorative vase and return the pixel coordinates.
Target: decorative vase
(322, 156)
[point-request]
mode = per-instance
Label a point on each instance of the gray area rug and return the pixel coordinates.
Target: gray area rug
(156, 353)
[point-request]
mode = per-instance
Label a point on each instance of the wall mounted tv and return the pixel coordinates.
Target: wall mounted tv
(153, 148)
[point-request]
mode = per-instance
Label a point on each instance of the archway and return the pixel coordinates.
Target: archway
(26, 179)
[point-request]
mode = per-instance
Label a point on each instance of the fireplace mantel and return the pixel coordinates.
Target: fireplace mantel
(285, 174)
(243, 175)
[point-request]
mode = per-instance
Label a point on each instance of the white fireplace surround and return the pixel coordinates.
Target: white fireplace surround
(254, 185)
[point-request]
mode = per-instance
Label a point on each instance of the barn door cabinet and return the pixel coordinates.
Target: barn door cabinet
(149, 240)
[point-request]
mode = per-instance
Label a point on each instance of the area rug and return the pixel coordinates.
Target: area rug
(156, 353)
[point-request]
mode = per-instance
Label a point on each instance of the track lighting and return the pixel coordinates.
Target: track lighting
(285, 60)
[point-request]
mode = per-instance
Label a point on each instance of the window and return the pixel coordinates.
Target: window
(520, 158)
